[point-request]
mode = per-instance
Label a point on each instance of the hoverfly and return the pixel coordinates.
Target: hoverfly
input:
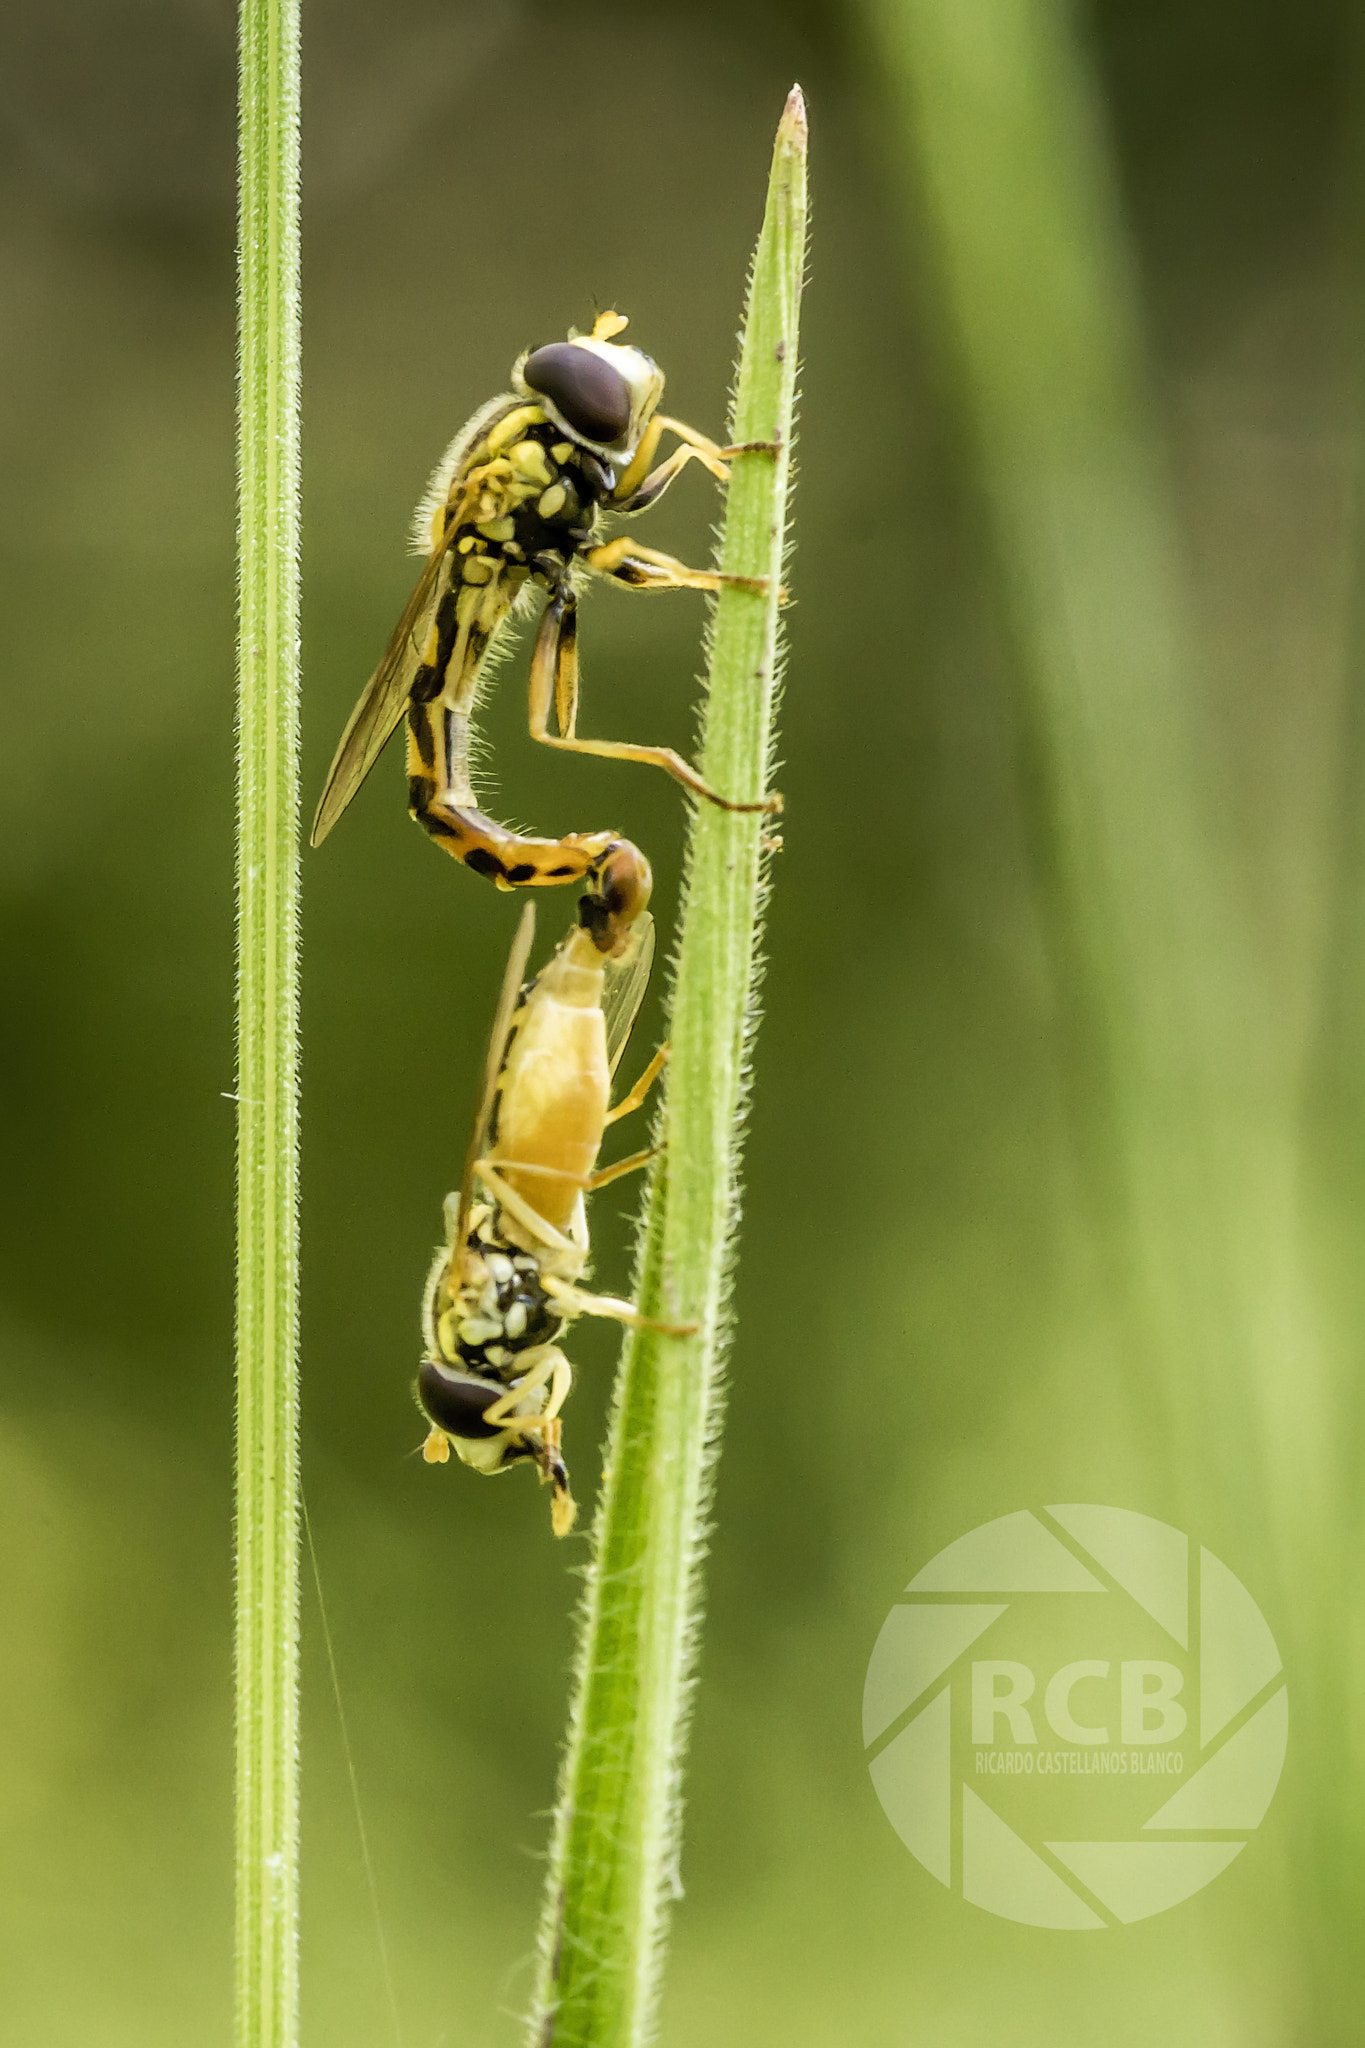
(513, 509)
(493, 1379)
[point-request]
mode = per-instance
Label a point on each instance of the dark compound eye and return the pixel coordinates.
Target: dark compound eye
(592, 397)
(619, 892)
(454, 1401)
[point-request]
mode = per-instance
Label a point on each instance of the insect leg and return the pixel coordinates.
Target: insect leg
(543, 1431)
(579, 1303)
(639, 486)
(657, 482)
(605, 1175)
(642, 1087)
(444, 806)
(516, 1206)
(642, 568)
(552, 1370)
(554, 674)
(492, 1177)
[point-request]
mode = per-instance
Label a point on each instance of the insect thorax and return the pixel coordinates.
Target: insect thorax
(499, 1309)
(539, 494)
(527, 500)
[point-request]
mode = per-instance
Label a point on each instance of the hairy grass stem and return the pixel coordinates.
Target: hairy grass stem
(614, 1857)
(267, 1524)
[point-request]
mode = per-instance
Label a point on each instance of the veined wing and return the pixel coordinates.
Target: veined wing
(384, 698)
(624, 988)
(512, 980)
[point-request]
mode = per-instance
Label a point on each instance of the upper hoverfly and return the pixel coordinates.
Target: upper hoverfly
(513, 509)
(493, 1378)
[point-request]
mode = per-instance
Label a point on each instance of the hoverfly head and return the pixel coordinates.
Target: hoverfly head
(602, 392)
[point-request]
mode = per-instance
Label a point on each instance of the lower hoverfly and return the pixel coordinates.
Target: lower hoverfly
(493, 1379)
(514, 509)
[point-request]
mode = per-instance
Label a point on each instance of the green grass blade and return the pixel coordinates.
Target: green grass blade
(267, 1009)
(997, 138)
(1183, 1077)
(614, 1858)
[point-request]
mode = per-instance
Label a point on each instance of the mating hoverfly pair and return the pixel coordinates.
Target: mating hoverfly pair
(513, 509)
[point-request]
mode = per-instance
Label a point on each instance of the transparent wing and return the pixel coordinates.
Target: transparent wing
(384, 698)
(624, 989)
(512, 980)
(382, 703)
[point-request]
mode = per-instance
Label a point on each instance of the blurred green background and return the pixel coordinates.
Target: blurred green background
(938, 1315)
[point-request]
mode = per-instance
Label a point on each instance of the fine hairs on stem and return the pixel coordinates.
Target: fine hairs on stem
(614, 1854)
(267, 1519)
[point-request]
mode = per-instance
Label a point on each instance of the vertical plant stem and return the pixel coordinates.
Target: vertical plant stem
(614, 1856)
(267, 1011)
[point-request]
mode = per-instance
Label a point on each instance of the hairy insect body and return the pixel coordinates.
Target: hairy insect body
(488, 1323)
(513, 511)
(526, 502)
(498, 1308)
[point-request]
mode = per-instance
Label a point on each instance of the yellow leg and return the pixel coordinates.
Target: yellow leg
(553, 1371)
(652, 487)
(578, 1303)
(642, 1087)
(508, 1198)
(505, 1166)
(492, 1178)
(544, 1432)
(640, 487)
(607, 1174)
(554, 677)
(699, 446)
(642, 568)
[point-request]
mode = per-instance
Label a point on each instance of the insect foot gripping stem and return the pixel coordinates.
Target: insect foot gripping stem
(618, 889)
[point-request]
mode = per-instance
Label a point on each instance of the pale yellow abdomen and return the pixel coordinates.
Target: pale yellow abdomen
(553, 1102)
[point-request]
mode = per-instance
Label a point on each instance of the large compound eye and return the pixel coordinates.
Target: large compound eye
(455, 1401)
(618, 894)
(590, 396)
